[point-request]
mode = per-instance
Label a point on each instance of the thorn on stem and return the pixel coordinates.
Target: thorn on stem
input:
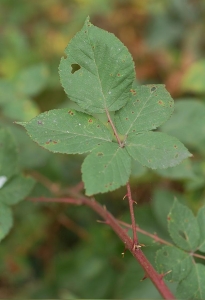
(124, 197)
(145, 277)
(164, 274)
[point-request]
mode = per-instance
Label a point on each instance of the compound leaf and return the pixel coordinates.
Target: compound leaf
(107, 168)
(183, 227)
(201, 222)
(193, 286)
(98, 72)
(172, 259)
(16, 189)
(149, 107)
(67, 131)
(8, 154)
(156, 149)
(6, 220)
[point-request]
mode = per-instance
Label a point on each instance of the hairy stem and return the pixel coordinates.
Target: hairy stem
(150, 272)
(132, 215)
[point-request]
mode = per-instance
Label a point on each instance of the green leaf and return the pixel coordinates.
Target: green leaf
(156, 149)
(32, 80)
(193, 80)
(16, 189)
(201, 223)
(98, 72)
(150, 106)
(193, 286)
(183, 227)
(188, 123)
(174, 260)
(107, 168)
(8, 154)
(182, 171)
(14, 104)
(67, 131)
(6, 220)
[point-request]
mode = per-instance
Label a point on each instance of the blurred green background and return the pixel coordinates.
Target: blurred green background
(59, 251)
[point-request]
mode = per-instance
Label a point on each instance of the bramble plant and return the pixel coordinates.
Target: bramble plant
(115, 122)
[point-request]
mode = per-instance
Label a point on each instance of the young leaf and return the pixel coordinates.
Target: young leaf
(156, 149)
(8, 154)
(16, 189)
(98, 72)
(201, 222)
(183, 227)
(107, 168)
(172, 259)
(6, 220)
(149, 107)
(193, 286)
(67, 131)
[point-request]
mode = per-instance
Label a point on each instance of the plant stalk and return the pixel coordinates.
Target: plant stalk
(150, 272)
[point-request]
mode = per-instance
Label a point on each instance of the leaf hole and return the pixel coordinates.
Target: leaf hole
(153, 89)
(75, 68)
(48, 142)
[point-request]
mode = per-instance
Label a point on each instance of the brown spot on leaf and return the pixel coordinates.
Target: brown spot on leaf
(54, 142)
(100, 154)
(90, 121)
(71, 112)
(160, 102)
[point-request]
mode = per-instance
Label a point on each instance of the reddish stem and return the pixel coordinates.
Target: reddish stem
(114, 224)
(132, 215)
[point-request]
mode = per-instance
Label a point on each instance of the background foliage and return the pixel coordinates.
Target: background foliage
(58, 251)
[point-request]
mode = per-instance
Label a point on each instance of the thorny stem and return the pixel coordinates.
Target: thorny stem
(129, 195)
(158, 239)
(134, 231)
(150, 272)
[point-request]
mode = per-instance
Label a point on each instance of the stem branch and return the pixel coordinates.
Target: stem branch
(150, 272)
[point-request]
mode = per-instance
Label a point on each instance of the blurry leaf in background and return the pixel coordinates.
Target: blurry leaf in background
(188, 123)
(6, 220)
(16, 189)
(194, 78)
(182, 171)
(183, 227)
(8, 154)
(32, 80)
(15, 105)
